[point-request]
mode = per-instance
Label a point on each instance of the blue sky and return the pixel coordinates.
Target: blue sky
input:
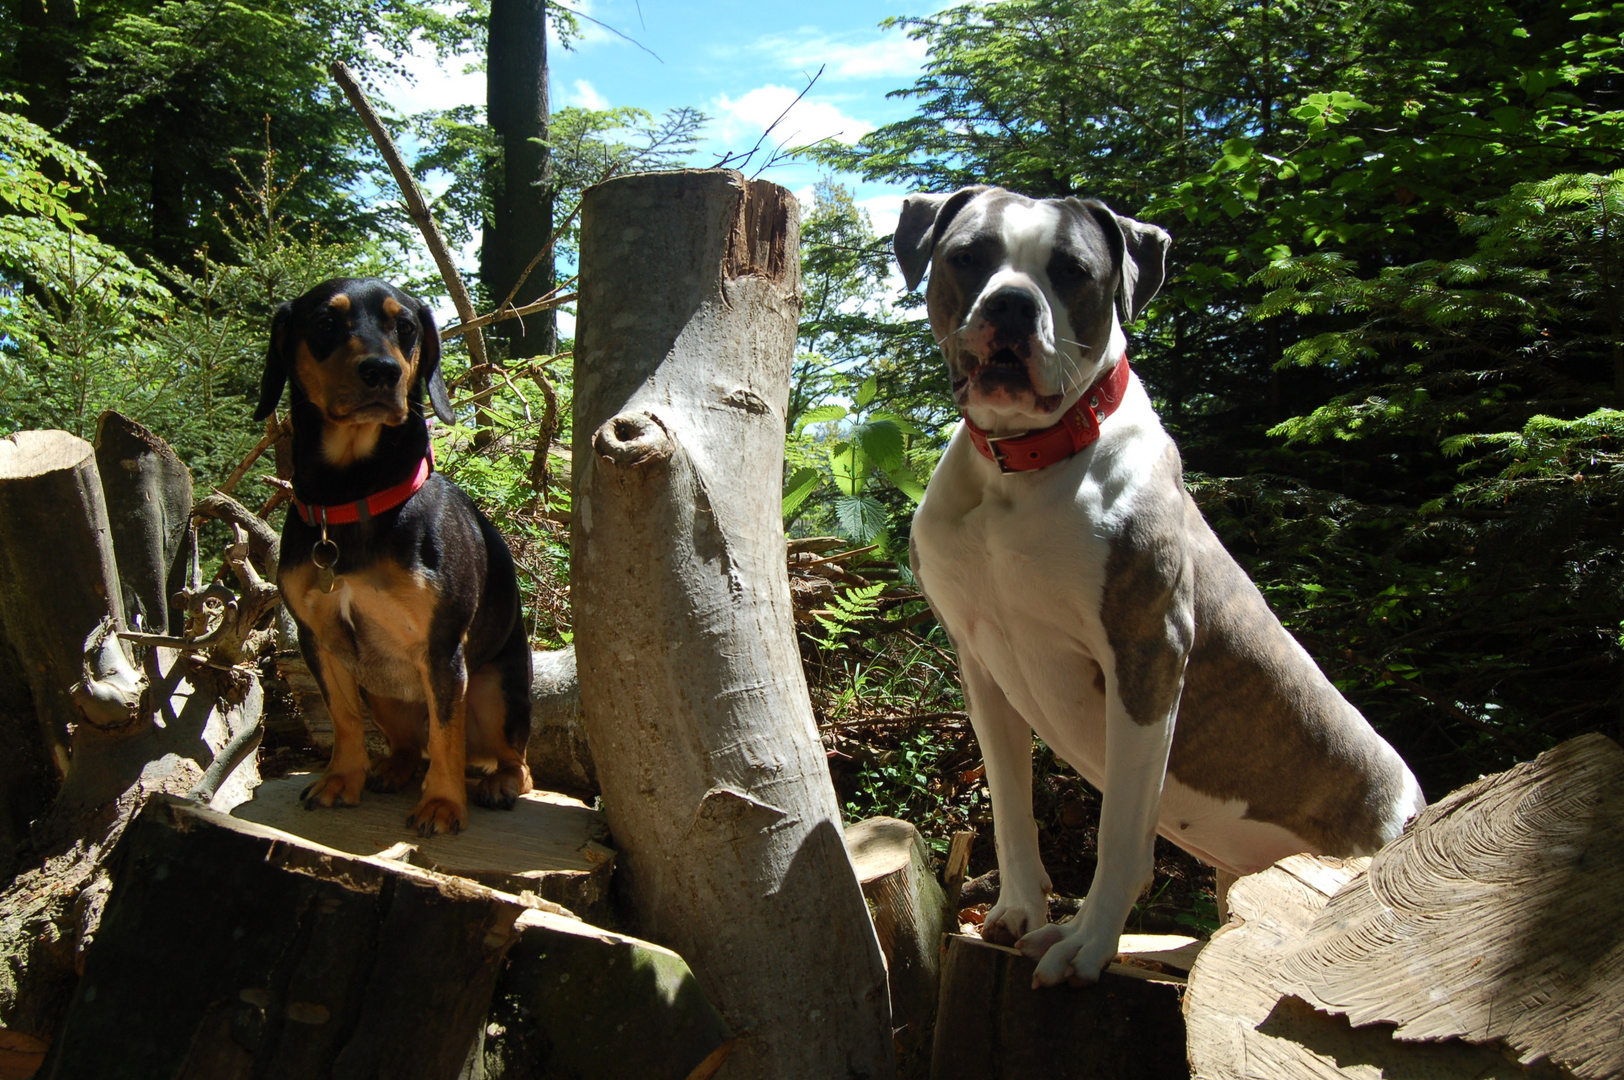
(741, 62)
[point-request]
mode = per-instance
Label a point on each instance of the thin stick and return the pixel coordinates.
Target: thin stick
(551, 300)
(273, 431)
(415, 204)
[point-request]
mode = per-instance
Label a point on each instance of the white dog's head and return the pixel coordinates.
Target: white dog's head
(1024, 295)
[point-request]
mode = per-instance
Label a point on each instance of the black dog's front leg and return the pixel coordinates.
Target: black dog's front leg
(444, 806)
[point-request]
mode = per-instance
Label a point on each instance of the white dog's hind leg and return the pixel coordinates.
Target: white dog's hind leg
(1006, 748)
(1135, 766)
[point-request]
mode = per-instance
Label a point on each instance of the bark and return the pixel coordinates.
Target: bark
(233, 951)
(58, 577)
(714, 780)
(149, 502)
(992, 1025)
(521, 196)
(58, 581)
(910, 913)
(578, 1001)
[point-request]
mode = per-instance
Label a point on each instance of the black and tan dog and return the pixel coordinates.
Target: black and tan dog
(404, 594)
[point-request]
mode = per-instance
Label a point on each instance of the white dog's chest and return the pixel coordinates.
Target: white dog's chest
(1015, 571)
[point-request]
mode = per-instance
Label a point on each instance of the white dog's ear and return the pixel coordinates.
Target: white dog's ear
(1143, 254)
(924, 219)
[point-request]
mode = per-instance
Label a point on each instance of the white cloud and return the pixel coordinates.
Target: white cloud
(883, 211)
(893, 55)
(586, 96)
(742, 120)
(431, 85)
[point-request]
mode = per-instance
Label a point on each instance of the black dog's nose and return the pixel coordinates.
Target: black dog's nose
(1014, 308)
(379, 372)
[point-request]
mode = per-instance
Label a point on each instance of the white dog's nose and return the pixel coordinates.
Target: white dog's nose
(1012, 308)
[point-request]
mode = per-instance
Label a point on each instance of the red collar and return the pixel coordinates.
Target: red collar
(1079, 427)
(371, 506)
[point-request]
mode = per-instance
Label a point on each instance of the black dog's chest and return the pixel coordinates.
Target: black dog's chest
(375, 622)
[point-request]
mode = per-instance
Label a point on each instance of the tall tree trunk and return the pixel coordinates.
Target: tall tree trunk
(714, 780)
(46, 45)
(521, 198)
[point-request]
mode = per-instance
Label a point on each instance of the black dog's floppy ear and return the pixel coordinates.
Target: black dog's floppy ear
(428, 369)
(1143, 255)
(276, 365)
(924, 219)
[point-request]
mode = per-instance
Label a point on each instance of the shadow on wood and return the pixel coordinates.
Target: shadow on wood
(229, 950)
(548, 844)
(991, 1024)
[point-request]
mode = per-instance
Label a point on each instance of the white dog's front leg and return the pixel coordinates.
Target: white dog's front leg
(1006, 748)
(1135, 766)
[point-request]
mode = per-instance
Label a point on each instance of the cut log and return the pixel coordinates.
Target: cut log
(229, 950)
(991, 1024)
(1242, 1026)
(957, 869)
(550, 845)
(58, 576)
(558, 755)
(148, 490)
(1500, 890)
(583, 1003)
(714, 780)
(910, 914)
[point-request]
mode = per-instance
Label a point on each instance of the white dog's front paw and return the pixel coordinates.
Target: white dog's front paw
(1013, 916)
(1073, 953)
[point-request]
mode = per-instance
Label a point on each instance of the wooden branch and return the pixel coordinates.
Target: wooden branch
(544, 437)
(551, 300)
(416, 206)
(273, 432)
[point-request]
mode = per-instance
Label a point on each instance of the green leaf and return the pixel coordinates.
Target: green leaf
(822, 414)
(866, 392)
(881, 442)
(903, 478)
(861, 518)
(850, 469)
(799, 488)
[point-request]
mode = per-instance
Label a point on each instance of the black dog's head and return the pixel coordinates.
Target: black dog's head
(1026, 296)
(359, 350)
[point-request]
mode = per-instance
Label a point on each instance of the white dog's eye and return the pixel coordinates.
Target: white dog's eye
(1069, 269)
(965, 258)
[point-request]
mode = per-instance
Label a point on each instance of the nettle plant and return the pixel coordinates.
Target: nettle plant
(855, 455)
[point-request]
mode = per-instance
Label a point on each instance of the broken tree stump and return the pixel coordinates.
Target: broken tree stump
(229, 951)
(587, 1004)
(991, 1024)
(548, 844)
(148, 490)
(910, 913)
(713, 776)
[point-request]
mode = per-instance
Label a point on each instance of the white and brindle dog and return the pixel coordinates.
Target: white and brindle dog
(1089, 601)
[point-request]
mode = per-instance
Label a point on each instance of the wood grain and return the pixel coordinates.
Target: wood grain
(1495, 918)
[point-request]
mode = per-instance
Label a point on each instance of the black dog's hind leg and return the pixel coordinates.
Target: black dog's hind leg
(499, 721)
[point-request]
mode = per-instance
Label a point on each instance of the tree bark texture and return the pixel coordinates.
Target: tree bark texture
(910, 913)
(58, 583)
(713, 776)
(148, 490)
(232, 951)
(58, 577)
(521, 196)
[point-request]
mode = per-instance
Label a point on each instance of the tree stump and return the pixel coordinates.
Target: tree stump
(714, 779)
(910, 913)
(229, 950)
(991, 1024)
(148, 490)
(579, 1002)
(548, 844)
